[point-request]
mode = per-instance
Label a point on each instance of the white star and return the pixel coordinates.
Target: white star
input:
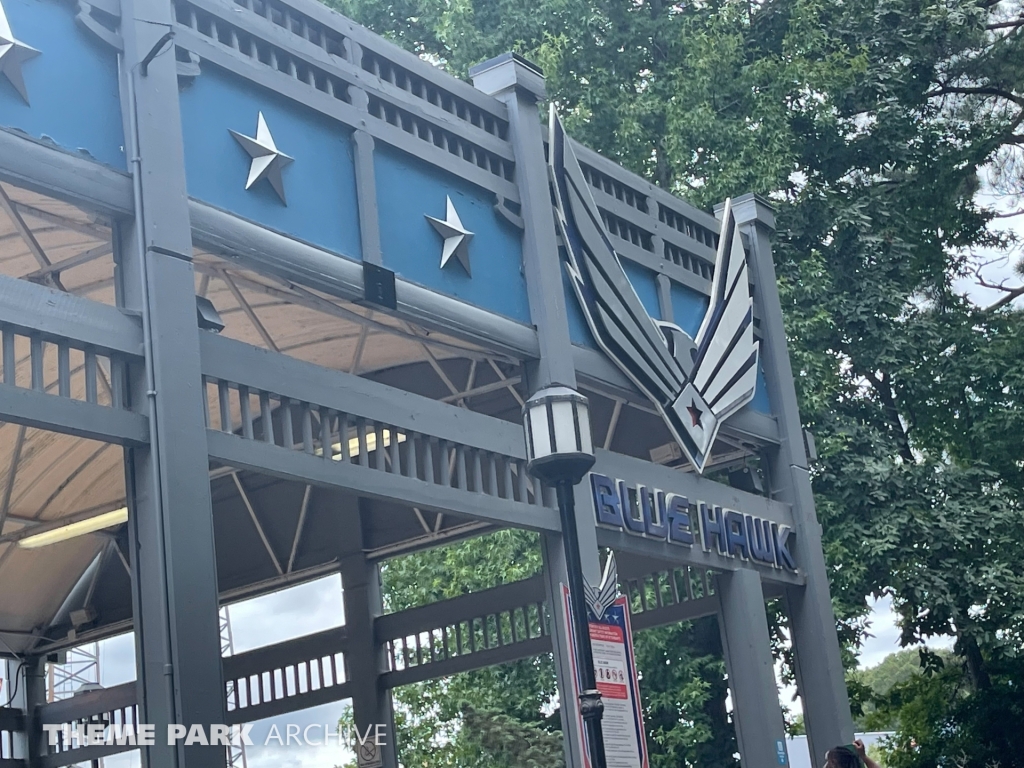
(13, 53)
(267, 159)
(456, 237)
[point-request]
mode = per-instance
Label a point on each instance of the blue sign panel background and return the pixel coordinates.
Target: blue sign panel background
(320, 185)
(72, 85)
(407, 190)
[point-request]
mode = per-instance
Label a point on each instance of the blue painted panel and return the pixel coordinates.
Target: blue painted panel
(645, 283)
(688, 308)
(407, 190)
(320, 185)
(579, 331)
(761, 403)
(72, 85)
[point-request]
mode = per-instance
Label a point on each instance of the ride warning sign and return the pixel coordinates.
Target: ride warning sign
(611, 640)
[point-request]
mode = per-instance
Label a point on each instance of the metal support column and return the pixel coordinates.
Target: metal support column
(174, 580)
(520, 86)
(756, 712)
(819, 668)
(364, 656)
(30, 745)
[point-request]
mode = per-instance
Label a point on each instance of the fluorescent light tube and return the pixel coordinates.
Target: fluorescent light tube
(74, 530)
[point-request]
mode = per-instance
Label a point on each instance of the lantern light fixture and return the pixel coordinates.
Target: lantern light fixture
(559, 446)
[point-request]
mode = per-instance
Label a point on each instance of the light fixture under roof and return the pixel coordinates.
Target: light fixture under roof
(76, 529)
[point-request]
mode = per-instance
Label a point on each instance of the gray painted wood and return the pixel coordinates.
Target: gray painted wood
(71, 417)
(85, 705)
(295, 465)
(55, 315)
(757, 715)
(268, 371)
(51, 171)
(174, 570)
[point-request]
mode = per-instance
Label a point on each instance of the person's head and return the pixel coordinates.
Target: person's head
(842, 757)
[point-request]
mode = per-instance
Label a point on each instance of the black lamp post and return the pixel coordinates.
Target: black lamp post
(559, 452)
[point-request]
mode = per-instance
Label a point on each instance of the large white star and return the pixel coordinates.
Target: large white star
(267, 160)
(13, 53)
(456, 237)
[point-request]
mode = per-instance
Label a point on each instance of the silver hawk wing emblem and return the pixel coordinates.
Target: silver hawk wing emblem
(695, 383)
(600, 599)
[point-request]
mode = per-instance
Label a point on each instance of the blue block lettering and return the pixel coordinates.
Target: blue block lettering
(678, 517)
(606, 500)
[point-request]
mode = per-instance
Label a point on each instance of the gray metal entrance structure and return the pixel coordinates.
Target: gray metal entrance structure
(279, 290)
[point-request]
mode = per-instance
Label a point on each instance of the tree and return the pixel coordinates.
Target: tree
(871, 126)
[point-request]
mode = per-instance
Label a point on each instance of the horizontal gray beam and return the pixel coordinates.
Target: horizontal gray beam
(258, 368)
(280, 655)
(82, 755)
(688, 610)
(57, 316)
(254, 247)
(41, 167)
(467, 662)
(272, 460)
(288, 704)
(462, 608)
(71, 417)
(675, 555)
(85, 705)
(685, 611)
(653, 193)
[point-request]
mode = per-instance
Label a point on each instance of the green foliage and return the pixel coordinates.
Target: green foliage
(868, 123)
(942, 723)
(873, 685)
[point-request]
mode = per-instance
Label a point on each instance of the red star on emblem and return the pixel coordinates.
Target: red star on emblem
(695, 413)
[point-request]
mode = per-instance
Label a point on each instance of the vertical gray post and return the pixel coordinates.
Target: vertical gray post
(29, 745)
(174, 579)
(756, 712)
(554, 578)
(364, 656)
(819, 667)
(520, 85)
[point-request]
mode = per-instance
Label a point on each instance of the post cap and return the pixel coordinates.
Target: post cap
(751, 207)
(509, 70)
